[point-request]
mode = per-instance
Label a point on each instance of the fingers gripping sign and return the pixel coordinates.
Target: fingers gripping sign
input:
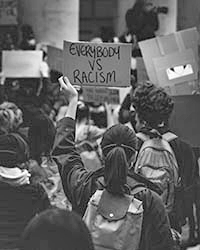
(69, 90)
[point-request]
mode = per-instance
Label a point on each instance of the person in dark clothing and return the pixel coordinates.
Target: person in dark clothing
(79, 184)
(28, 38)
(20, 199)
(56, 229)
(153, 109)
(18, 204)
(41, 135)
(142, 20)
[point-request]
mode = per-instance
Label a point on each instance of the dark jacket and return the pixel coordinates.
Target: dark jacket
(18, 205)
(79, 185)
(187, 171)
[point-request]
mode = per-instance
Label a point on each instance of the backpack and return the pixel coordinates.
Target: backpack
(115, 222)
(156, 162)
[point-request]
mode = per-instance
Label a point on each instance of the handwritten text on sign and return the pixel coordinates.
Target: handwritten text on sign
(93, 64)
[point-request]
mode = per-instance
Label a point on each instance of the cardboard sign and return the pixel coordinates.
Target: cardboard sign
(8, 12)
(55, 58)
(172, 59)
(141, 70)
(90, 64)
(185, 120)
(21, 64)
(170, 71)
(101, 95)
(186, 88)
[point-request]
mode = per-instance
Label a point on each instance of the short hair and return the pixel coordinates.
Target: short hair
(56, 229)
(152, 104)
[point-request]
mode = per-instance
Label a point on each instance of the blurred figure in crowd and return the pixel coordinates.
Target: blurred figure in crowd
(56, 229)
(28, 38)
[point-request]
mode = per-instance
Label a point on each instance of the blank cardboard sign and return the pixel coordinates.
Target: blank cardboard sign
(21, 64)
(185, 120)
(141, 70)
(170, 53)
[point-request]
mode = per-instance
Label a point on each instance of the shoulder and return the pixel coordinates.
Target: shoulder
(181, 148)
(151, 201)
(35, 190)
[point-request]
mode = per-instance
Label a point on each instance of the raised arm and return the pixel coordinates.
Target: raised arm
(77, 185)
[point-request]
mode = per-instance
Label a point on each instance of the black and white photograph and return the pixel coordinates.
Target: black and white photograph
(100, 125)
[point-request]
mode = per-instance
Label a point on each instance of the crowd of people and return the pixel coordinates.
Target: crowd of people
(81, 176)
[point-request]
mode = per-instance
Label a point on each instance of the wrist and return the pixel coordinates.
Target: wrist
(74, 100)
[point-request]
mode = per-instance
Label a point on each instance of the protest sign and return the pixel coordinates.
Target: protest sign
(8, 12)
(101, 64)
(55, 58)
(21, 64)
(172, 59)
(141, 70)
(101, 95)
(185, 120)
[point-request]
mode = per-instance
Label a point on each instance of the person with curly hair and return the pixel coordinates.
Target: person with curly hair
(153, 108)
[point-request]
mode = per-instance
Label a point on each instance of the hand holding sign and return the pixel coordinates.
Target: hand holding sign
(69, 90)
(71, 95)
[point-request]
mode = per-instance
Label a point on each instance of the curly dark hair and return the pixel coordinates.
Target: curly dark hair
(152, 104)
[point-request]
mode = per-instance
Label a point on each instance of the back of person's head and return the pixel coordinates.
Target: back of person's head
(152, 104)
(17, 119)
(82, 111)
(56, 229)
(41, 136)
(6, 120)
(119, 144)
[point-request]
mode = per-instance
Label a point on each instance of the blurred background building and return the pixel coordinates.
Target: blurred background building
(55, 20)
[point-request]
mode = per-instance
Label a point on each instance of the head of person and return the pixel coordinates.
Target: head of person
(119, 144)
(41, 136)
(13, 148)
(56, 229)
(153, 106)
(16, 116)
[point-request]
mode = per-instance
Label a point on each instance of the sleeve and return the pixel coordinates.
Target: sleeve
(186, 161)
(40, 199)
(156, 227)
(77, 184)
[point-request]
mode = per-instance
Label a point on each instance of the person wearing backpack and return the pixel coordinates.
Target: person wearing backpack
(113, 197)
(163, 157)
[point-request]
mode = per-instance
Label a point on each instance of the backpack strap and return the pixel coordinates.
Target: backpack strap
(142, 136)
(138, 189)
(169, 136)
(157, 144)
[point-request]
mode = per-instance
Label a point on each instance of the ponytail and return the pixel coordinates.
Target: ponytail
(115, 172)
